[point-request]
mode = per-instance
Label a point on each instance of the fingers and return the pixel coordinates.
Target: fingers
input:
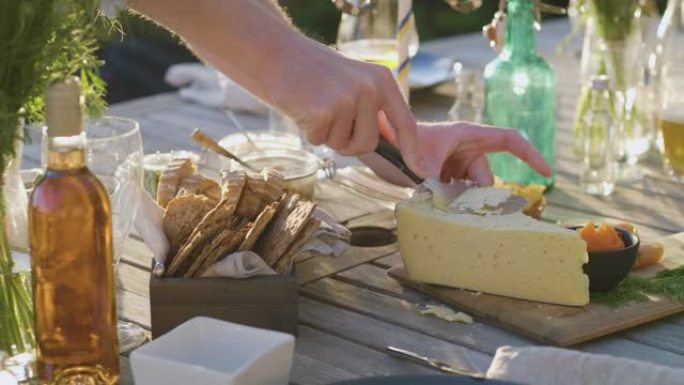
(518, 146)
(480, 172)
(404, 123)
(316, 129)
(341, 132)
(506, 139)
(364, 138)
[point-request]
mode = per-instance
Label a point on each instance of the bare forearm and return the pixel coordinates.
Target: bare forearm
(244, 39)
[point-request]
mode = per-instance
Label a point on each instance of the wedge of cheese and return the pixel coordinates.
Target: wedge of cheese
(511, 255)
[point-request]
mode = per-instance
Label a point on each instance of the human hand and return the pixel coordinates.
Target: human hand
(457, 150)
(336, 100)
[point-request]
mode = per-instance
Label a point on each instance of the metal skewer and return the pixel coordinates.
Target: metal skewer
(209, 143)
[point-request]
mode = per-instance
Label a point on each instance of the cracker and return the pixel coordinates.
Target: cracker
(260, 191)
(200, 185)
(284, 264)
(217, 247)
(223, 249)
(258, 226)
(182, 215)
(171, 177)
(278, 238)
(233, 187)
(214, 221)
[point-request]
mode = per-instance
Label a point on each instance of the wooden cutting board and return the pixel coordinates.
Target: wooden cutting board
(555, 324)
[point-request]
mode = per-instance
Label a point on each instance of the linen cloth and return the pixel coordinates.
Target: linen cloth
(553, 366)
(204, 85)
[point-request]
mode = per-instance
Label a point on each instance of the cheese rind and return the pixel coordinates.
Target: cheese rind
(510, 255)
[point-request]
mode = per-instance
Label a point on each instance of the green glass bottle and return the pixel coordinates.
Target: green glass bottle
(520, 93)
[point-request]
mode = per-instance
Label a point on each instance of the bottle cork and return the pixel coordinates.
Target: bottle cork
(64, 108)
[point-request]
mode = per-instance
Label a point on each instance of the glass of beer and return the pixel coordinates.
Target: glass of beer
(672, 129)
(371, 35)
(671, 119)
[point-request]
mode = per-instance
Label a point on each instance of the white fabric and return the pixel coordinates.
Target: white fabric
(148, 222)
(204, 85)
(331, 239)
(553, 366)
(242, 264)
(111, 7)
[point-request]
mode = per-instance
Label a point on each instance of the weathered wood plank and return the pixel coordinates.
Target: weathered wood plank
(379, 334)
(133, 308)
(309, 371)
(405, 312)
(661, 335)
(323, 266)
(353, 357)
(384, 219)
(629, 349)
(125, 373)
(136, 253)
(133, 279)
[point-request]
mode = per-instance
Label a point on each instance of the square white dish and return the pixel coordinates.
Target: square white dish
(212, 352)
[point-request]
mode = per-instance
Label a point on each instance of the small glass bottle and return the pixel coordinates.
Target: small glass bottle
(70, 236)
(468, 104)
(598, 167)
(520, 93)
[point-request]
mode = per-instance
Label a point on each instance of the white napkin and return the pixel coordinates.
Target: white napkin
(204, 85)
(553, 366)
(331, 239)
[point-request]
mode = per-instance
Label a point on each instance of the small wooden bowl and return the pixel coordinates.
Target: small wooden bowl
(608, 268)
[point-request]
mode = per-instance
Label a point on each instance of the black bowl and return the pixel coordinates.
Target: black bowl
(608, 268)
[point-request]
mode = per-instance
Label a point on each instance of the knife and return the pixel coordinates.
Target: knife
(446, 193)
(439, 365)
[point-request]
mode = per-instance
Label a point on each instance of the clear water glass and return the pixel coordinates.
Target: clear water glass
(114, 153)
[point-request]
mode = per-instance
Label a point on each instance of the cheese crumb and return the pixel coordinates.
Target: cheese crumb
(447, 314)
(476, 199)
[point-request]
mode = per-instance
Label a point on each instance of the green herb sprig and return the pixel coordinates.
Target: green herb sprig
(667, 283)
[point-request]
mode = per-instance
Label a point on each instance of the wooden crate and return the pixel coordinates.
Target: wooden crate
(268, 302)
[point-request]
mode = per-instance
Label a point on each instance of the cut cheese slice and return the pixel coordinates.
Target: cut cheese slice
(511, 255)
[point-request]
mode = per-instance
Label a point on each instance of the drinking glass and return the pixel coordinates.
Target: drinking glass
(371, 35)
(114, 154)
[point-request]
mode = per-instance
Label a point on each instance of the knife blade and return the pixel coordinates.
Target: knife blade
(439, 365)
(445, 193)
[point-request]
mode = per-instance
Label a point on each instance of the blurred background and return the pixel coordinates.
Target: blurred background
(136, 61)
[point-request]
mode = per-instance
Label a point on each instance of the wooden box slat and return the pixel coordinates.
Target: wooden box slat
(268, 302)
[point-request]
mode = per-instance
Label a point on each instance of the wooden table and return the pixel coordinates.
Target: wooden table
(350, 310)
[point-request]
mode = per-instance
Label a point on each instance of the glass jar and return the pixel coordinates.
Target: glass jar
(520, 93)
(298, 167)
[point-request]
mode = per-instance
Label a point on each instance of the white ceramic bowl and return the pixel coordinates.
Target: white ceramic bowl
(212, 352)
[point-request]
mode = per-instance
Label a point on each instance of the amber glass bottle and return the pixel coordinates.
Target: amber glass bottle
(70, 234)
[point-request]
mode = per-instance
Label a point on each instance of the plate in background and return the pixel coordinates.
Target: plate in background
(428, 70)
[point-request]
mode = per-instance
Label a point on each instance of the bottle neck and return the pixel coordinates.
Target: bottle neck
(599, 100)
(520, 28)
(66, 152)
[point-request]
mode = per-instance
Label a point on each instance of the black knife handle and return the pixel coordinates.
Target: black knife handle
(390, 153)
